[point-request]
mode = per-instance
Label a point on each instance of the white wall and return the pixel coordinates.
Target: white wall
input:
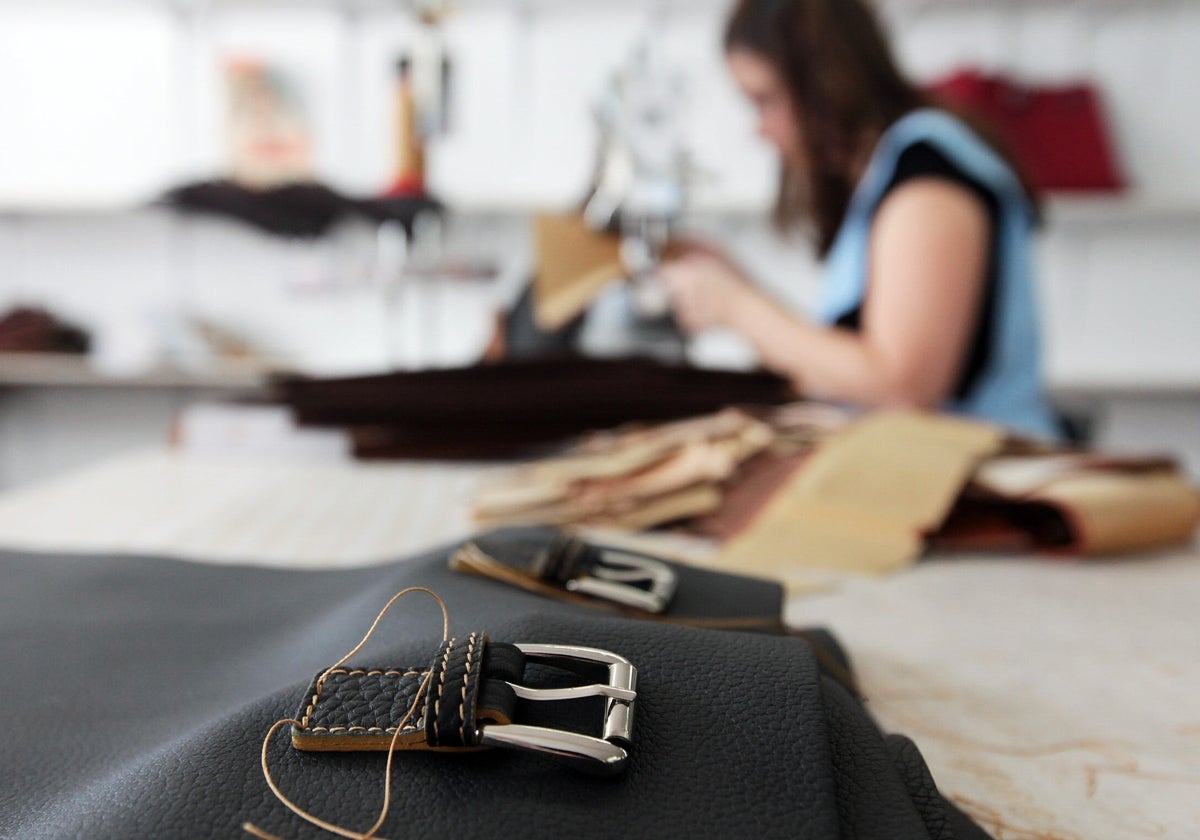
(108, 103)
(114, 100)
(1144, 56)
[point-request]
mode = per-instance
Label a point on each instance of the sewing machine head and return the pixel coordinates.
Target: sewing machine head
(641, 182)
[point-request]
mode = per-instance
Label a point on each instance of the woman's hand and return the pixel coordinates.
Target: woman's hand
(706, 291)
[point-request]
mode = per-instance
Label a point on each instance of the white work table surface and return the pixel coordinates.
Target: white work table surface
(1053, 700)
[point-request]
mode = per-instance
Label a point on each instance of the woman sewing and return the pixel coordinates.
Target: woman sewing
(924, 227)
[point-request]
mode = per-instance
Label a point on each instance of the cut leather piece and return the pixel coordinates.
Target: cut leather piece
(611, 512)
(574, 264)
(729, 422)
(1090, 509)
(639, 515)
(865, 498)
(1110, 512)
(546, 484)
(634, 451)
(1024, 475)
(707, 462)
(353, 710)
(631, 479)
(747, 493)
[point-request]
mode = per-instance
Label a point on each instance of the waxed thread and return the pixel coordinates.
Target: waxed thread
(369, 834)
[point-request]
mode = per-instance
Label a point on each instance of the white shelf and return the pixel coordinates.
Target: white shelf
(63, 208)
(378, 6)
(1130, 383)
(895, 6)
(1123, 209)
(921, 6)
(66, 370)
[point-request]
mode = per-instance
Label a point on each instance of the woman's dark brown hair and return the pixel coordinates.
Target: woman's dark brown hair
(845, 86)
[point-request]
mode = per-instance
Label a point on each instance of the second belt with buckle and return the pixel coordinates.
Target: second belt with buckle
(554, 562)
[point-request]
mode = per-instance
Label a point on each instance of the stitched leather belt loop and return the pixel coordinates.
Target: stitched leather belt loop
(453, 694)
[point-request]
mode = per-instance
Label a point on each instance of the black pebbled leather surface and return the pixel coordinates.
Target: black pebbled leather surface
(367, 701)
(136, 693)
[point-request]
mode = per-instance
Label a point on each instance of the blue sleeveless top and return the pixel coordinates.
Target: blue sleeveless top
(1008, 390)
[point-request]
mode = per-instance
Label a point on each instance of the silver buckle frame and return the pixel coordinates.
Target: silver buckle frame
(604, 756)
(619, 576)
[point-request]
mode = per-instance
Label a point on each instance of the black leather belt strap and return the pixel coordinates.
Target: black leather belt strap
(468, 686)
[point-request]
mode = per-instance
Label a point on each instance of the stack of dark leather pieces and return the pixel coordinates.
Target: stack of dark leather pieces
(514, 408)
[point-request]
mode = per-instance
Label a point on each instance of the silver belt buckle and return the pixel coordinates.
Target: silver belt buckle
(603, 756)
(632, 580)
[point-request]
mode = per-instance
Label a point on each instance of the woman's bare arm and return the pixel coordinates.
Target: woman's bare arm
(927, 268)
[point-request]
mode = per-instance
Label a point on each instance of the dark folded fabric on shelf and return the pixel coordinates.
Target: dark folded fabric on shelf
(138, 692)
(27, 329)
(514, 408)
(299, 210)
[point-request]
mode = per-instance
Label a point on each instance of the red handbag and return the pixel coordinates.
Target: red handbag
(1058, 134)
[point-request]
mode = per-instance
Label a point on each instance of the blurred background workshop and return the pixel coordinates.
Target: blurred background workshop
(894, 302)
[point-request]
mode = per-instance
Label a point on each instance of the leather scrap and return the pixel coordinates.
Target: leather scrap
(1073, 503)
(633, 479)
(574, 264)
(865, 498)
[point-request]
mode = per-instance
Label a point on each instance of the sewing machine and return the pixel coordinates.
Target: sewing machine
(641, 187)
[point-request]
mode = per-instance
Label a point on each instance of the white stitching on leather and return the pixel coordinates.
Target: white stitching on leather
(390, 730)
(437, 703)
(462, 709)
(390, 673)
